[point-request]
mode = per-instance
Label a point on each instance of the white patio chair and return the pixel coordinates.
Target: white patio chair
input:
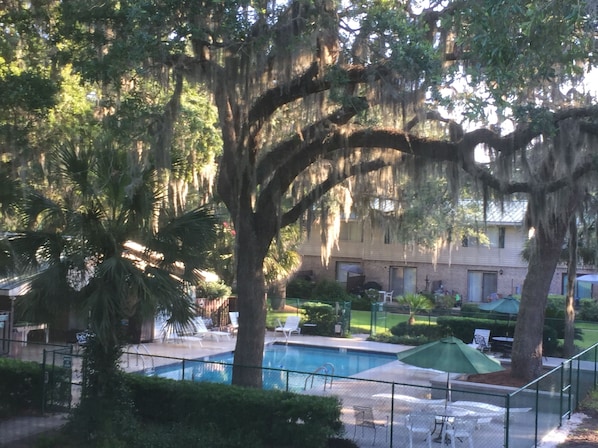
(364, 418)
(461, 428)
(420, 425)
(388, 296)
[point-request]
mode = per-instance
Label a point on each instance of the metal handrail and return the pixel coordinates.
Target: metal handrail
(324, 371)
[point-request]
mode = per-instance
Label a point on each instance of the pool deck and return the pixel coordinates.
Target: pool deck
(408, 380)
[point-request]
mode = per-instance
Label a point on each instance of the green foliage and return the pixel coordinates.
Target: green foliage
(259, 417)
(550, 341)
(21, 385)
(416, 304)
(321, 314)
(515, 45)
(588, 310)
(300, 288)
(212, 290)
(330, 291)
(420, 331)
(365, 301)
(555, 307)
(341, 443)
(105, 413)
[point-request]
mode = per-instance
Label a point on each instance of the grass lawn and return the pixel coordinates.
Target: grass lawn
(361, 323)
(590, 334)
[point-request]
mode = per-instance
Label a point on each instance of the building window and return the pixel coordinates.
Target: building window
(344, 270)
(502, 231)
(480, 285)
(390, 236)
(402, 280)
(351, 231)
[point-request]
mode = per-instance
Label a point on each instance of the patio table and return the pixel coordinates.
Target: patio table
(502, 344)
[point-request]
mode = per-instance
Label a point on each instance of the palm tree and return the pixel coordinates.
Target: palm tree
(416, 303)
(104, 245)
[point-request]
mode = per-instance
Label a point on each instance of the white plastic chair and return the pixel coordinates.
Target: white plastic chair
(388, 295)
(461, 428)
(420, 425)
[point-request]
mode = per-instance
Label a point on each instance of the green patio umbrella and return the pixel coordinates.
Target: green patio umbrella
(507, 305)
(449, 355)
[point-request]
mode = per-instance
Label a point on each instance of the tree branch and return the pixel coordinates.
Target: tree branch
(335, 178)
(315, 133)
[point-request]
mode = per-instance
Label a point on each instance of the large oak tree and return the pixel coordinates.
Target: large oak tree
(314, 96)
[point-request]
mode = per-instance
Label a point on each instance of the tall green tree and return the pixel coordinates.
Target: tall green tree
(313, 95)
(99, 248)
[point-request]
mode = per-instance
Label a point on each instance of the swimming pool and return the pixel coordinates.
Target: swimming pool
(284, 366)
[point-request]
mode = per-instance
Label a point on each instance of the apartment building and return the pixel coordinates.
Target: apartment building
(473, 269)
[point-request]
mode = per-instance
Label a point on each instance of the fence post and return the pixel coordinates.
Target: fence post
(392, 412)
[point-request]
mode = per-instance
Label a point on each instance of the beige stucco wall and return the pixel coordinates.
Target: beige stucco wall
(449, 265)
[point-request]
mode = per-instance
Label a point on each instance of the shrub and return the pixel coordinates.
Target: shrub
(588, 310)
(330, 291)
(430, 332)
(555, 307)
(256, 417)
(20, 387)
(212, 290)
(321, 314)
(364, 302)
(300, 288)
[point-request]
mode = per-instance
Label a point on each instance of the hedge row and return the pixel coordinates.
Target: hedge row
(264, 418)
(464, 327)
(21, 386)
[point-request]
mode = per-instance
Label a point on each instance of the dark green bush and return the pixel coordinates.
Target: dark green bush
(364, 302)
(321, 314)
(588, 310)
(464, 328)
(257, 417)
(550, 341)
(342, 443)
(300, 289)
(430, 332)
(555, 307)
(21, 385)
(330, 291)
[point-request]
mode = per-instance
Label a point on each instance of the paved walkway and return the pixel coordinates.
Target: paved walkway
(20, 432)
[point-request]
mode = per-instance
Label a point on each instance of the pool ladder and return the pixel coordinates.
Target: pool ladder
(326, 370)
(149, 370)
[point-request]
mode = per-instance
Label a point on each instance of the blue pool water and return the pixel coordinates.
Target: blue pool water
(285, 366)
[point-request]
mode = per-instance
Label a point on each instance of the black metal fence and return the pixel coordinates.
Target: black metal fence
(397, 412)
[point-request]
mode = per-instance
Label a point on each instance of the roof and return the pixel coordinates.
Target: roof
(15, 286)
(506, 213)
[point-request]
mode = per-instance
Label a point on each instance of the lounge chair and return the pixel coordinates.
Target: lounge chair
(234, 321)
(201, 330)
(291, 325)
(481, 340)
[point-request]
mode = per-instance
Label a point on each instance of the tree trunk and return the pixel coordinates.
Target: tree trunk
(526, 356)
(251, 306)
(569, 345)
